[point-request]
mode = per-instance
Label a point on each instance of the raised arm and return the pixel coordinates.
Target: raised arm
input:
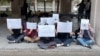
(91, 29)
(10, 30)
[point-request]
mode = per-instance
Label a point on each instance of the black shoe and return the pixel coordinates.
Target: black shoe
(67, 45)
(18, 42)
(89, 46)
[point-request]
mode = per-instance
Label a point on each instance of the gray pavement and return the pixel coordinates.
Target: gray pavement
(25, 53)
(31, 49)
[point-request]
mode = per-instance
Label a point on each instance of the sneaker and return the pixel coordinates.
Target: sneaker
(18, 42)
(10, 42)
(89, 46)
(58, 45)
(67, 45)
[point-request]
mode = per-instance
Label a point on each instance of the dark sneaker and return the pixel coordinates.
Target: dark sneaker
(67, 45)
(89, 46)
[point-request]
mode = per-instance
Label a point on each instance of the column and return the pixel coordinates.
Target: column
(16, 7)
(45, 5)
(53, 5)
(35, 5)
(66, 6)
(95, 19)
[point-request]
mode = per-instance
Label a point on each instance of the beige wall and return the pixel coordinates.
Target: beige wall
(95, 19)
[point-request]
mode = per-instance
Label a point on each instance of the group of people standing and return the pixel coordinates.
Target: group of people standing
(84, 9)
(81, 37)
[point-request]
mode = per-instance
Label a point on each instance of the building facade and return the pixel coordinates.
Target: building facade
(50, 5)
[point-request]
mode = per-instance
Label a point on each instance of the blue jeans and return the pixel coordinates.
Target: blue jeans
(84, 42)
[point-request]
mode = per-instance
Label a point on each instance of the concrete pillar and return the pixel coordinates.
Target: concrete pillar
(65, 6)
(53, 5)
(16, 7)
(35, 4)
(95, 19)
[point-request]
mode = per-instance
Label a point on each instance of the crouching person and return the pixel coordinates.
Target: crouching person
(85, 37)
(16, 36)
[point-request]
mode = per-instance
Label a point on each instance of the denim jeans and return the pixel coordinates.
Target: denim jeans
(84, 42)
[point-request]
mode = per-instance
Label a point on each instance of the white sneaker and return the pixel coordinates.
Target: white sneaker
(10, 42)
(58, 45)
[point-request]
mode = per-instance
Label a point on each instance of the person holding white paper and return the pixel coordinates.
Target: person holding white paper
(85, 37)
(47, 42)
(30, 31)
(84, 24)
(64, 38)
(15, 36)
(14, 23)
(16, 33)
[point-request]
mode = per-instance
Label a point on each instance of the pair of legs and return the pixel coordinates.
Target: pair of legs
(48, 45)
(64, 42)
(64, 38)
(16, 39)
(84, 42)
(29, 39)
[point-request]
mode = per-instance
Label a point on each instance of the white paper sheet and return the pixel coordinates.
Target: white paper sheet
(43, 20)
(56, 17)
(31, 25)
(48, 20)
(14, 23)
(84, 24)
(64, 27)
(46, 30)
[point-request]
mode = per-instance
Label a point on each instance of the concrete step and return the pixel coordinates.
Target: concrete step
(32, 47)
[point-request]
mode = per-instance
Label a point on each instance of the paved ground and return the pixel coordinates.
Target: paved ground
(31, 49)
(25, 53)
